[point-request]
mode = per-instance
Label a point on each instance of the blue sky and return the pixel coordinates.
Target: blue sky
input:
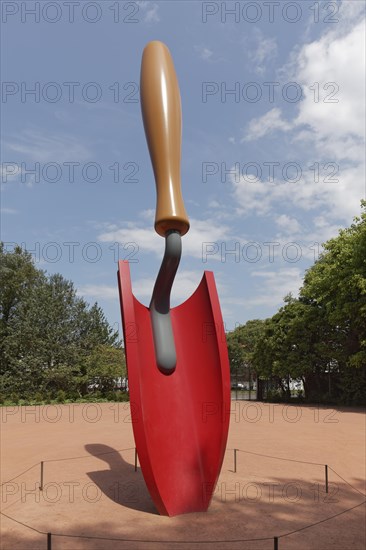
(269, 171)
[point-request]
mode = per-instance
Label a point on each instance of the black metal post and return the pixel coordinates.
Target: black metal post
(235, 461)
(329, 381)
(49, 541)
(236, 383)
(326, 478)
(41, 483)
(275, 540)
(135, 459)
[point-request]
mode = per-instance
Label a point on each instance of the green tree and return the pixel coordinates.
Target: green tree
(104, 366)
(241, 346)
(320, 338)
(336, 284)
(47, 332)
(242, 341)
(18, 276)
(295, 345)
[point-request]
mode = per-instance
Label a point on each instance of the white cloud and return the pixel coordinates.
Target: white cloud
(184, 285)
(270, 288)
(338, 195)
(328, 126)
(144, 237)
(147, 214)
(201, 232)
(9, 171)
(336, 129)
(152, 15)
(99, 292)
(331, 73)
(40, 147)
(288, 224)
(348, 14)
(204, 52)
(150, 11)
(320, 221)
(266, 124)
(9, 211)
(253, 196)
(265, 50)
(274, 285)
(334, 112)
(186, 282)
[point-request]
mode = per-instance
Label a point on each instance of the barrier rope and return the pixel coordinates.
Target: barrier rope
(89, 455)
(322, 520)
(342, 478)
(170, 541)
(24, 524)
(185, 541)
(279, 457)
(15, 477)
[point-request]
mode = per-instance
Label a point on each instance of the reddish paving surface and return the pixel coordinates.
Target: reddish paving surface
(103, 496)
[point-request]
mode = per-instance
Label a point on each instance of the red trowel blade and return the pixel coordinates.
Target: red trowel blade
(180, 421)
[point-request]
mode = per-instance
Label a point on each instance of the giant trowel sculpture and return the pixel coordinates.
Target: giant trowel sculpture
(177, 359)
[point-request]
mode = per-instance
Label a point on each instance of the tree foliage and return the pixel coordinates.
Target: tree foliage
(49, 335)
(241, 344)
(296, 345)
(319, 338)
(337, 285)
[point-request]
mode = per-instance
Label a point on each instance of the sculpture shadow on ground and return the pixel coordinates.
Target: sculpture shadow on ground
(120, 482)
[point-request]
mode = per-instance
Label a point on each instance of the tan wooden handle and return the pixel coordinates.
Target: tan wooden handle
(161, 113)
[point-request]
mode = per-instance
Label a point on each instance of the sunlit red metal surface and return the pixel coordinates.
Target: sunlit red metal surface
(180, 421)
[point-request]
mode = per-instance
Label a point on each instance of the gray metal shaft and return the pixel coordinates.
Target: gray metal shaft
(165, 353)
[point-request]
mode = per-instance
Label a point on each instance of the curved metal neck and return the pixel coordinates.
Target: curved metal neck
(160, 304)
